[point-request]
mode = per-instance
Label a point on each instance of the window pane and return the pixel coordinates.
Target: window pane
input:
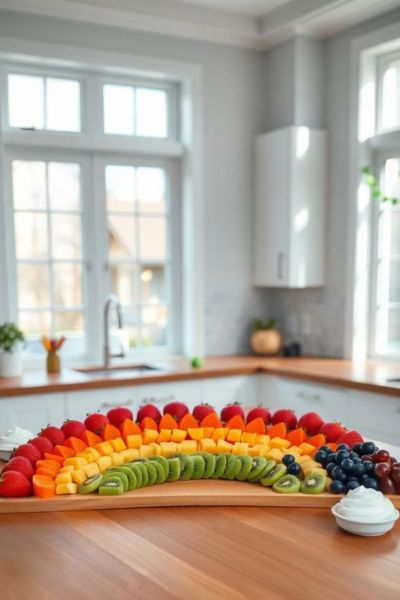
(152, 237)
(29, 184)
(64, 186)
(120, 188)
(131, 328)
(26, 101)
(63, 105)
(391, 95)
(151, 189)
(66, 322)
(35, 323)
(33, 286)
(121, 237)
(66, 236)
(31, 235)
(151, 112)
(118, 109)
(67, 284)
(154, 325)
(123, 283)
(152, 281)
(394, 331)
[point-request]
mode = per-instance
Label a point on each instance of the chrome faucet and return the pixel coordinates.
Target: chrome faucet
(110, 301)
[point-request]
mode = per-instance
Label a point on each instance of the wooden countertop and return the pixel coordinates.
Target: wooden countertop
(199, 553)
(368, 376)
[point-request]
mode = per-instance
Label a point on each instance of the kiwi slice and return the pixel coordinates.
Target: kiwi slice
(138, 474)
(152, 472)
(145, 476)
(314, 483)
(112, 487)
(132, 481)
(233, 466)
(199, 466)
(111, 475)
(161, 472)
(288, 484)
(186, 467)
(258, 465)
(278, 471)
(220, 466)
(246, 464)
(163, 462)
(209, 460)
(90, 485)
(174, 469)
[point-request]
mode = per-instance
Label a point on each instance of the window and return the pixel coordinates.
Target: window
(389, 93)
(86, 223)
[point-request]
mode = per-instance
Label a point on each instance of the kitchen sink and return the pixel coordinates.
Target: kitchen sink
(395, 380)
(121, 370)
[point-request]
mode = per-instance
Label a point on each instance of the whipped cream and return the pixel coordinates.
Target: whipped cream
(14, 438)
(365, 506)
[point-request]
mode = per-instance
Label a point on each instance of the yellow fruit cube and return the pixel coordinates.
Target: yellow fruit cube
(130, 454)
(315, 470)
(310, 464)
(196, 433)
(63, 478)
(66, 488)
(307, 448)
(90, 453)
(67, 469)
(116, 459)
(293, 450)
(220, 433)
(91, 469)
(208, 445)
(249, 438)
(257, 450)
(274, 454)
(164, 435)
(168, 448)
(240, 448)
(149, 435)
(303, 459)
(178, 435)
(156, 448)
(79, 476)
(187, 447)
(280, 443)
(104, 448)
(118, 444)
(104, 462)
(134, 441)
(263, 439)
(224, 447)
(234, 435)
(76, 462)
(146, 450)
(208, 432)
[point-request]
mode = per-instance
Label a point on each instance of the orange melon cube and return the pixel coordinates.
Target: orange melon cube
(149, 435)
(208, 445)
(104, 448)
(188, 446)
(77, 462)
(130, 454)
(118, 444)
(45, 472)
(249, 438)
(196, 433)
(156, 448)
(178, 435)
(146, 450)
(64, 451)
(79, 476)
(66, 488)
(116, 459)
(279, 443)
(63, 478)
(168, 448)
(224, 447)
(220, 433)
(234, 435)
(307, 448)
(134, 441)
(75, 444)
(104, 462)
(164, 435)
(240, 448)
(91, 469)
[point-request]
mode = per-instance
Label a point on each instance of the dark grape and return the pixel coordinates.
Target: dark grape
(382, 470)
(381, 456)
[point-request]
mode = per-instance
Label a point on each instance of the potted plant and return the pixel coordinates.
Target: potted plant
(11, 343)
(265, 339)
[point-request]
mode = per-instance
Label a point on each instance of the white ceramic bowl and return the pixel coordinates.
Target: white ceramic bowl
(367, 529)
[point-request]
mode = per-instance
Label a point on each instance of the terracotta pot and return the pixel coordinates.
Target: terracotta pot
(266, 341)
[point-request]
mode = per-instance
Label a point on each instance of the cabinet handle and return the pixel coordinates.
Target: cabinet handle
(158, 399)
(111, 405)
(281, 257)
(306, 396)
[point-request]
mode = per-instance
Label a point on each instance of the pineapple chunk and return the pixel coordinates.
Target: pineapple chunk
(104, 448)
(77, 462)
(156, 448)
(79, 476)
(279, 443)
(118, 444)
(66, 488)
(104, 462)
(146, 450)
(240, 448)
(117, 459)
(188, 446)
(224, 447)
(234, 435)
(168, 448)
(91, 469)
(178, 435)
(134, 441)
(149, 435)
(67, 469)
(249, 438)
(130, 454)
(164, 435)
(207, 445)
(63, 478)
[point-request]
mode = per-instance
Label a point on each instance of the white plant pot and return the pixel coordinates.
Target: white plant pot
(10, 364)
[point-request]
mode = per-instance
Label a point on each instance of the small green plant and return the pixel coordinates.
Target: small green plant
(371, 181)
(10, 337)
(258, 325)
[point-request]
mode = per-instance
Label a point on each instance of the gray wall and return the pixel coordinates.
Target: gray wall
(232, 110)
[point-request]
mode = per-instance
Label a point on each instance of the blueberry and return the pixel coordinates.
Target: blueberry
(343, 447)
(294, 469)
(369, 466)
(358, 469)
(331, 458)
(370, 483)
(337, 473)
(357, 448)
(321, 457)
(337, 487)
(341, 455)
(329, 468)
(325, 449)
(288, 459)
(354, 456)
(347, 465)
(352, 485)
(367, 448)
(351, 478)
(365, 477)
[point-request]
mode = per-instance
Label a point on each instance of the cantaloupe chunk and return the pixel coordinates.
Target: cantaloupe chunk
(248, 438)
(224, 447)
(77, 462)
(149, 435)
(187, 446)
(168, 448)
(130, 454)
(63, 478)
(116, 459)
(164, 435)
(66, 488)
(145, 451)
(240, 448)
(64, 451)
(208, 432)
(196, 433)
(104, 463)
(75, 444)
(279, 443)
(234, 435)
(156, 448)
(67, 469)
(178, 435)
(91, 469)
(104, 448)
(118, 444)
(220, 433)
(79, 476)
(263, 439)
(134, 441)
(208, 445)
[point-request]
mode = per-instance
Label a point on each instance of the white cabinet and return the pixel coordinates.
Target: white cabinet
(290, 208)
(189, 392)
(79, 404)
(32, 412)
(376, 416)
(224, 390)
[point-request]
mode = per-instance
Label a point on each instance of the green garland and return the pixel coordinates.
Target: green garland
(371, 181)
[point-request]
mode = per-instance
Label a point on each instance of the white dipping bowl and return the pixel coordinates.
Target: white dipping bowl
(366, 529)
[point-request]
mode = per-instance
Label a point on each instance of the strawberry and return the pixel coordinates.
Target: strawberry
(29, 451)
(96, 422)
(285, 415)
(311, 423)
(14, 484)
(332, 431)
(148, 410)
(231, 410)
(202, 410)
(117, 416)
(73, 428)
(176, 409)
(54, 434)
(43, 444)
(350, 438)
(259, 412)
(20, 464)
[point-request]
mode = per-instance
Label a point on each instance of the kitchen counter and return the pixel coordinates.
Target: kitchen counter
(369, 376)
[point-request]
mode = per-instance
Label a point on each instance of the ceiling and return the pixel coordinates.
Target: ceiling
(254, 24)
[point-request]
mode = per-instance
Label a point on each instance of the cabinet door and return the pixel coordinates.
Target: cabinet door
(189, 392)
(221, 391)
(79, 404)
(31, 412)
(376, 416)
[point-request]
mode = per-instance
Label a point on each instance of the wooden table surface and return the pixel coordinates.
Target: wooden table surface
(235, 553)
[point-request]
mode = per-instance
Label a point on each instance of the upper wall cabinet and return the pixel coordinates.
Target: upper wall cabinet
(290, 208)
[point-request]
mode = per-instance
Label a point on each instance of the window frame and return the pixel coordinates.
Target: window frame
(382, 61)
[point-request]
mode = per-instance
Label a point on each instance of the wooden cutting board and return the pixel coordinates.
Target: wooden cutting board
(180, 493)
